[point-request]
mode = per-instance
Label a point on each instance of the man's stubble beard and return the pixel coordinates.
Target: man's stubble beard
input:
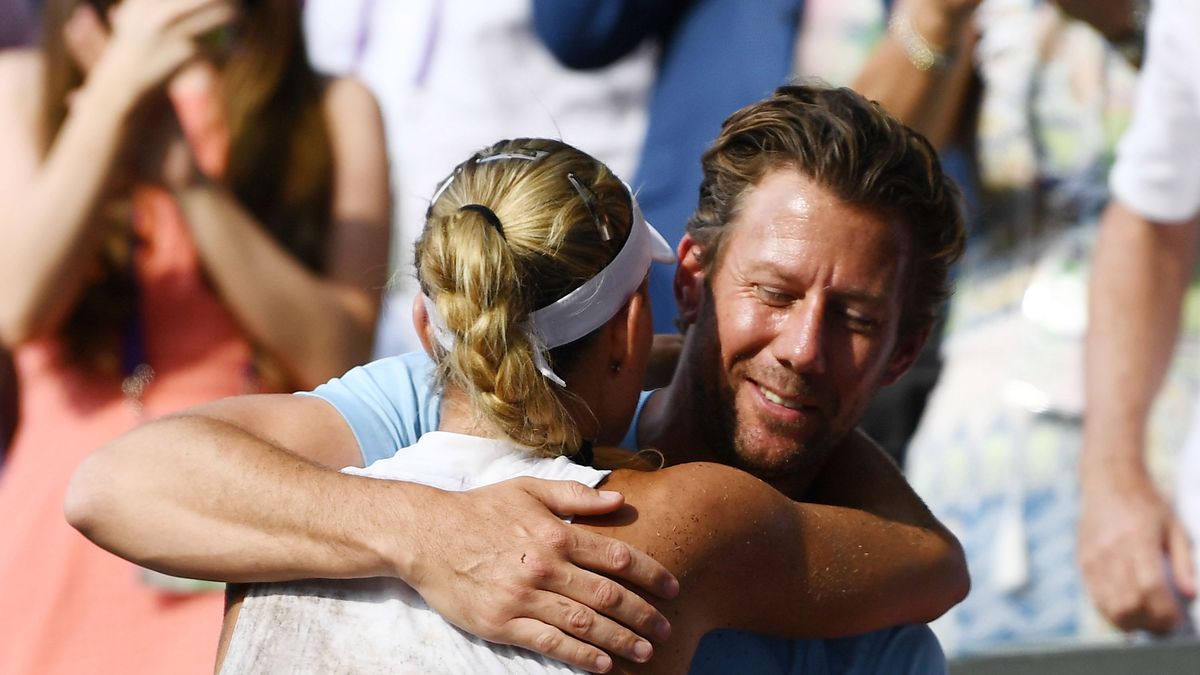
(731, 443)
(744, 443)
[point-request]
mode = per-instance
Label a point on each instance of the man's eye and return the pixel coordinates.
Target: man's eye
(772, 296)
(858, 322)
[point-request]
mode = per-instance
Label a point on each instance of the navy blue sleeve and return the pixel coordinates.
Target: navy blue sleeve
(594, 33)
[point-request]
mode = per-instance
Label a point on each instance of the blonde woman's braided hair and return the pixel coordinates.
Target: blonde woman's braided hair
(506, 234)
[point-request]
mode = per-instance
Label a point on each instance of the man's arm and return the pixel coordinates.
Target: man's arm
(908, 552)
(770, 565)
(244, 490)
(930, 100)
(1140, 274)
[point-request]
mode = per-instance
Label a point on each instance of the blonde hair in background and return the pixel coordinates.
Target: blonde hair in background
(485, 279)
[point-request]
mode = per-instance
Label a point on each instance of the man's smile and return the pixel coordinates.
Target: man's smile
(792, 404)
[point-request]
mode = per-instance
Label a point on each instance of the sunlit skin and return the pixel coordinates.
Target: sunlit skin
(807, 301)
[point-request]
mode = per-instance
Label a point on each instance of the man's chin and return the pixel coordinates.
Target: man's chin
(772, 462)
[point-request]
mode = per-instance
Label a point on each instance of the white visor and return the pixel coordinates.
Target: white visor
(588, 307)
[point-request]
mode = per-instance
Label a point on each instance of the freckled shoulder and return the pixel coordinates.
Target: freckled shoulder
(689, 512)
(730, 539)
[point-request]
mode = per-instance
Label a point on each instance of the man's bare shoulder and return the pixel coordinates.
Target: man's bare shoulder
(684, 514)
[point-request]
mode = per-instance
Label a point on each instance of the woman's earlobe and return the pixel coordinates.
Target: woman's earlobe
(420, 319)
(621, 337)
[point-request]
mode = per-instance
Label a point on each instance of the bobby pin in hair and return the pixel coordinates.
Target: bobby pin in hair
(527, 156)
(515, 154)
(441, 189)
(488, 215)
(589, 200)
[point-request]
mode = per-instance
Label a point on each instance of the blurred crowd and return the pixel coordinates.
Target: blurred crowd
(204, 198)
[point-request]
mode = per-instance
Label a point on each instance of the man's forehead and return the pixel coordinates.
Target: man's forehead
(786, 204)
(787, 214)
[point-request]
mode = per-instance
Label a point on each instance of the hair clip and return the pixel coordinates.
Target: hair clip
(531, 155)
(589, 201)
(488, 215)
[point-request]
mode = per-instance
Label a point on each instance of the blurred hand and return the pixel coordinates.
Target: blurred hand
(1125, 530)
(85, 37)
(942, 23)
(500, 564)
(161, 154)
(946, 9)
(149, 40)
(959, 7)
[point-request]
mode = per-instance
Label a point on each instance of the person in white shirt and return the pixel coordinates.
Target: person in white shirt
(1135, 546)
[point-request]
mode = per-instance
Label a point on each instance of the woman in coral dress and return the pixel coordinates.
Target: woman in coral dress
(189, 213)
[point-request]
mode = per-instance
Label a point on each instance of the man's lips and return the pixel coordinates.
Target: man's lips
(796, 402)
(771, 396)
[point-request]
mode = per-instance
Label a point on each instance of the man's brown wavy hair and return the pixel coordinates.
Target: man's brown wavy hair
(856, 150)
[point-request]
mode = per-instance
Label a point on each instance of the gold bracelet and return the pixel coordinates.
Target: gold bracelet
(922, 55)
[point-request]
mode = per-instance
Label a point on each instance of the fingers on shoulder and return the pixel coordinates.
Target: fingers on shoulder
(546, 639)
(569, 498)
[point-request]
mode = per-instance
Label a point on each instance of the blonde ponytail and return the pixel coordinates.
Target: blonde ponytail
(503, 238)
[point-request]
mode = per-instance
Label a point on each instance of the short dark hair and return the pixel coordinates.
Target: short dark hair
(855, 149)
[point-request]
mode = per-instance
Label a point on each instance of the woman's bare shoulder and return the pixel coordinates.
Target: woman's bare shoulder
(349, 97)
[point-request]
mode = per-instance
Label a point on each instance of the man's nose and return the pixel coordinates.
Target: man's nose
(798, 345)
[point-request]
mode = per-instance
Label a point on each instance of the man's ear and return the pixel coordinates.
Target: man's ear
(420, 319)
(905, 353)
(689, 279)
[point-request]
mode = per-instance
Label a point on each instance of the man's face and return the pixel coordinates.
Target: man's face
(800, 328)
